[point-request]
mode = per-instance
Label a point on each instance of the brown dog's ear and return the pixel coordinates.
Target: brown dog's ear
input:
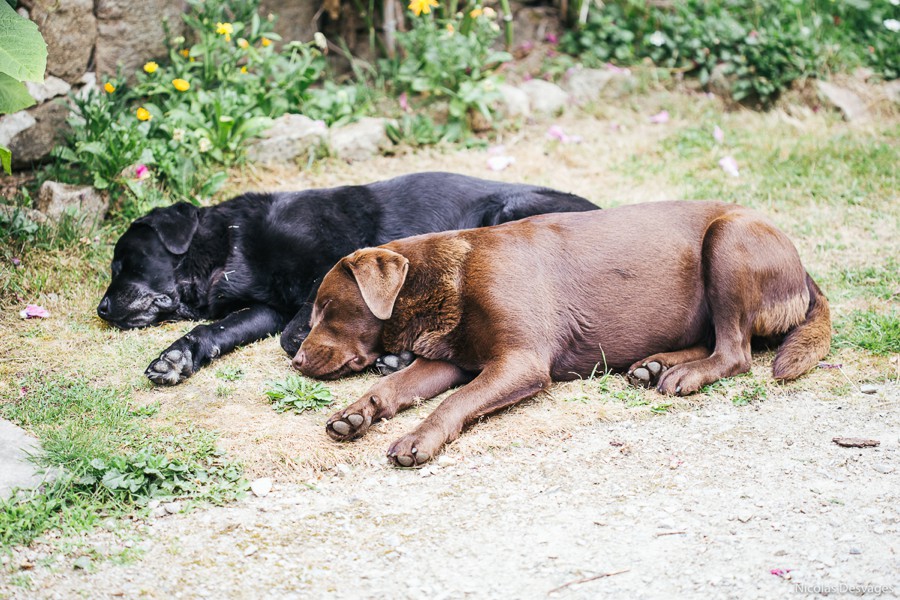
(379, 274)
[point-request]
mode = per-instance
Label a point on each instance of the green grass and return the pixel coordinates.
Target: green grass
(878, 333)
(109, 461)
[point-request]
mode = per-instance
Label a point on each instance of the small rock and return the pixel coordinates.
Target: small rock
(14, 124)
(10, 212)
(744, 517)
(290, 136)
(56, 199)
(341, 469)
(445, 461)
(361, 140)
(261, 487)
(159, 512)
(868, 388)
(82, 562)
(172, 507)
(50, 88)
(544, 97)
(855, 551)
(883, 468)
(514, 102)
(848, 103)
(250, 550)
(153, 504)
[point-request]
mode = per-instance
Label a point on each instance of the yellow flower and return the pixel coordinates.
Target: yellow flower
(151, 67)
(244, 70)
(110, 88)
(243, 43)
(475, 13)
(225, 29)
(185, 52)
(181, 85)
(265, 42)
(143, 114)
(422, 6)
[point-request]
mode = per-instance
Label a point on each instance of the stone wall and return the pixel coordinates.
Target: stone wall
(88, 39)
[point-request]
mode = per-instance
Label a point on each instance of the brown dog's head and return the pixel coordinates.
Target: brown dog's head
(355, 299)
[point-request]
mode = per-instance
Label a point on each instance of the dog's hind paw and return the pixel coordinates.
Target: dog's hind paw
(172, 367)
(416, 448)
(646, 375)
(391, 363)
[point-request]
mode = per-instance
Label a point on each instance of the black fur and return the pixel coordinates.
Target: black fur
(255, 261)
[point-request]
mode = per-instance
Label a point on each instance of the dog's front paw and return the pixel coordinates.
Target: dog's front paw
(391, 363)
(172, 367)
(416, 448)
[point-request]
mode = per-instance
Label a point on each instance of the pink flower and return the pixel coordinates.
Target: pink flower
(618, 70)
(556, 132)
(780, 572)
(660, 117)
(141, 172)
(730, 166)
(33, 311)
(718, 134)
(15, 261)
(551, 38)
(404, 103)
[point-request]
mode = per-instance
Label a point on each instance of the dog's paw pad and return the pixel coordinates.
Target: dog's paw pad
(391, 363)
(172, 367)
(410, 450)
(647, 375)
(343, 427)
(405, 461)
(654, 368)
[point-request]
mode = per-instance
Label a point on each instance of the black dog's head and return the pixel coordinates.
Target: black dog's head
(143, 289)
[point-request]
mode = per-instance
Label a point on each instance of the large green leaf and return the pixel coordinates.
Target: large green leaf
(23, 53)
(13, 95)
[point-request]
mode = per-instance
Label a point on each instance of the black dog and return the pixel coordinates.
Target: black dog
(256, 261)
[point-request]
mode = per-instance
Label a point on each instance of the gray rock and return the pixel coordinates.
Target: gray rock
(585, 85)
(50, 88)
(131, 33)
(868, 388)
(848, 103)
(16, 471)
(14, 124)
(70, 30)
(82, 562)
(261, 487)
(88, 83)
(513, 102)
(56, 199)
(361, 140)
(544, 97)
(9, 212)
(172, 508)
(296, 20)
(34, 144)
(289, 136)
(720, 81)
(883, 468)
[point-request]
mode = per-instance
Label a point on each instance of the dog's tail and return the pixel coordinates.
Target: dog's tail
(809, 341)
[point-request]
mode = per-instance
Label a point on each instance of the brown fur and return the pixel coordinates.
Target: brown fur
(682, 285)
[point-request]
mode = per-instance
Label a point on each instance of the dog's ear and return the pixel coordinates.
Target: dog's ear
(379, 274)
(175, 225)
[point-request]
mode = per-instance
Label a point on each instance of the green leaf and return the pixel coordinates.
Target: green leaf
(6, 159)
(23, 53)
(13, 95)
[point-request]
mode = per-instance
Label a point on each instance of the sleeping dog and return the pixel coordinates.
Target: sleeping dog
(254, 263)
(670, 293)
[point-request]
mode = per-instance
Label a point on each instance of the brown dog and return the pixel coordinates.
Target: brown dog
(673, 292)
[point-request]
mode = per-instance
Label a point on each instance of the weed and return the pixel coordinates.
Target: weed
(230, 373)
(876, 332)
(298, 394)
(755, 392)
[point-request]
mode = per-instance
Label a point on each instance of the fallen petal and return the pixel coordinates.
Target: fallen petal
(498, 163)
(730, 166)
(718, 134)
(33, 311)
(660, 117)
(404, 103)
(556, 132)
(498, 149)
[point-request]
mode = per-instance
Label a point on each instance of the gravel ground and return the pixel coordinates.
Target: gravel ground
(704, 503)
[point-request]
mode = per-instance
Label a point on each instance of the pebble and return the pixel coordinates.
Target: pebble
(883, 468)
(868, 388)
(855, 551)
(172, 507)
(445, 461)
(83, 563)
(744, 517)
(262, 486)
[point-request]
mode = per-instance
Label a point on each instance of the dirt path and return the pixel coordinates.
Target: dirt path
(701, 503)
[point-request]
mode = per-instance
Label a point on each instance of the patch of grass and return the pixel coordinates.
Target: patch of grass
(755, 392)
(297, 394)
(879, 281)
(869, 330)
(107, 460)
(230, 373)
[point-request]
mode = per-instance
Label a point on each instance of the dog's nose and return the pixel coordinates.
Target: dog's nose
(103, 308)
(299, 360)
